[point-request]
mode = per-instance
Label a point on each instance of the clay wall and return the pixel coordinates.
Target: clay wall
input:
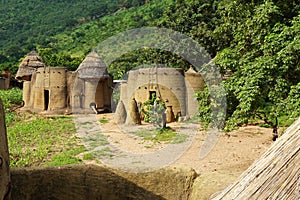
(194, 83)
(168, 83)
(95, 182)
(50, 89)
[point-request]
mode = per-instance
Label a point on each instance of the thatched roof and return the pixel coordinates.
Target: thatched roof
(191, 71)
(92, 67)
(276, 175)
(29, 64)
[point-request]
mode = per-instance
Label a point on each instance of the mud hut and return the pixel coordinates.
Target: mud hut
(29, 65)
(171, 85)
(93, 85)
(276, 175)
(57, 90)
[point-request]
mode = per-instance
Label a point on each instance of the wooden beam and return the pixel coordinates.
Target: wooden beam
(276, 175)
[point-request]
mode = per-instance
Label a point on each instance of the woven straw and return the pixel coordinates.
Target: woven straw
(29, 64)
(92, 67)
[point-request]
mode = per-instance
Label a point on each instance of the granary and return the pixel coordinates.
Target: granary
(93, 85)
(172, 86)
(57, 90)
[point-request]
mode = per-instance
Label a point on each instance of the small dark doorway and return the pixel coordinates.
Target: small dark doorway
(46, 99)
(152, 95)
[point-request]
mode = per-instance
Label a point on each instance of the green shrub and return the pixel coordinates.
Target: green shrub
(10, 99)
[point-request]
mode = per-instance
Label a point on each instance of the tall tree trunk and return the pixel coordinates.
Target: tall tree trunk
(5, 184)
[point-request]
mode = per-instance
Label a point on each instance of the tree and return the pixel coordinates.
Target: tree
(264, 60)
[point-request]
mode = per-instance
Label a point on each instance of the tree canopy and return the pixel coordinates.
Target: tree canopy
(256, 42)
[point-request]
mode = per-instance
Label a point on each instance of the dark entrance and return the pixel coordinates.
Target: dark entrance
(152, 95)
(46, 99)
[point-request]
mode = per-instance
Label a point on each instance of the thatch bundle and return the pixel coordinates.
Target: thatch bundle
(92, 67)
(29, 64)
(276, 175)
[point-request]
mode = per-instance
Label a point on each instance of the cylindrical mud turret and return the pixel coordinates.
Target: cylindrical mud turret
(194, 83)
(26, 93)
(90, 92)
(51, 89)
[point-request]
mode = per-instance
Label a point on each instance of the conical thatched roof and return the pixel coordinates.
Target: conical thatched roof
(275, 176)
(92, 67)
(29, 64)
(191, 71)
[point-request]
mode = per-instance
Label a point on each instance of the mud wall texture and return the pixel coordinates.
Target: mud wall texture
(4, 158)
(95, 182)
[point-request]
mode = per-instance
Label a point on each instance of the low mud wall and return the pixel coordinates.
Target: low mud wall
(95, 182)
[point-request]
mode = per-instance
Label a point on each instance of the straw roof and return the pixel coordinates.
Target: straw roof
(191, 71)
(29, 64)
(275, 176)
(92, 67)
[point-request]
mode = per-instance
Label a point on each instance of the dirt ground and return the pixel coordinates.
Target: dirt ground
(233, 153)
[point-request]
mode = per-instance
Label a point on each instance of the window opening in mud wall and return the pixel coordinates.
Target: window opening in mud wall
(152, 94)
(46, 99)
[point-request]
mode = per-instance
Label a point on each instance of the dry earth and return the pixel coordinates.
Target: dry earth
(233, 153)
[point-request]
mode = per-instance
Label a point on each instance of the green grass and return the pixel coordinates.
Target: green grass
(106, 151)
(166, 135)
(88, 156)
(103, 120)
(95, 140)
(44, 142)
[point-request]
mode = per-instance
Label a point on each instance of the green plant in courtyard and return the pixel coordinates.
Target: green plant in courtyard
(154, 111)
(166, 135)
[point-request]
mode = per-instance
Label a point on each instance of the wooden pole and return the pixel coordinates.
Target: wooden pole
(5, 183)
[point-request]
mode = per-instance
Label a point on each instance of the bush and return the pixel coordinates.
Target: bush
(10, 99)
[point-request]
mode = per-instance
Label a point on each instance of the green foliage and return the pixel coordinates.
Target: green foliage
(264, 60)
(165, 135)
(11, 98)
(88, 156)
(26, 25)
(257, 41)
(103, 120)
(291, 105)
(67, 157)
(204, 106)
(194, 18)
(94, 32)
(49, 141)
(154, 110)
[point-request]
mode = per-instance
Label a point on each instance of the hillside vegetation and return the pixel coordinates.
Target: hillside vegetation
(24, 25)
(258, 42)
